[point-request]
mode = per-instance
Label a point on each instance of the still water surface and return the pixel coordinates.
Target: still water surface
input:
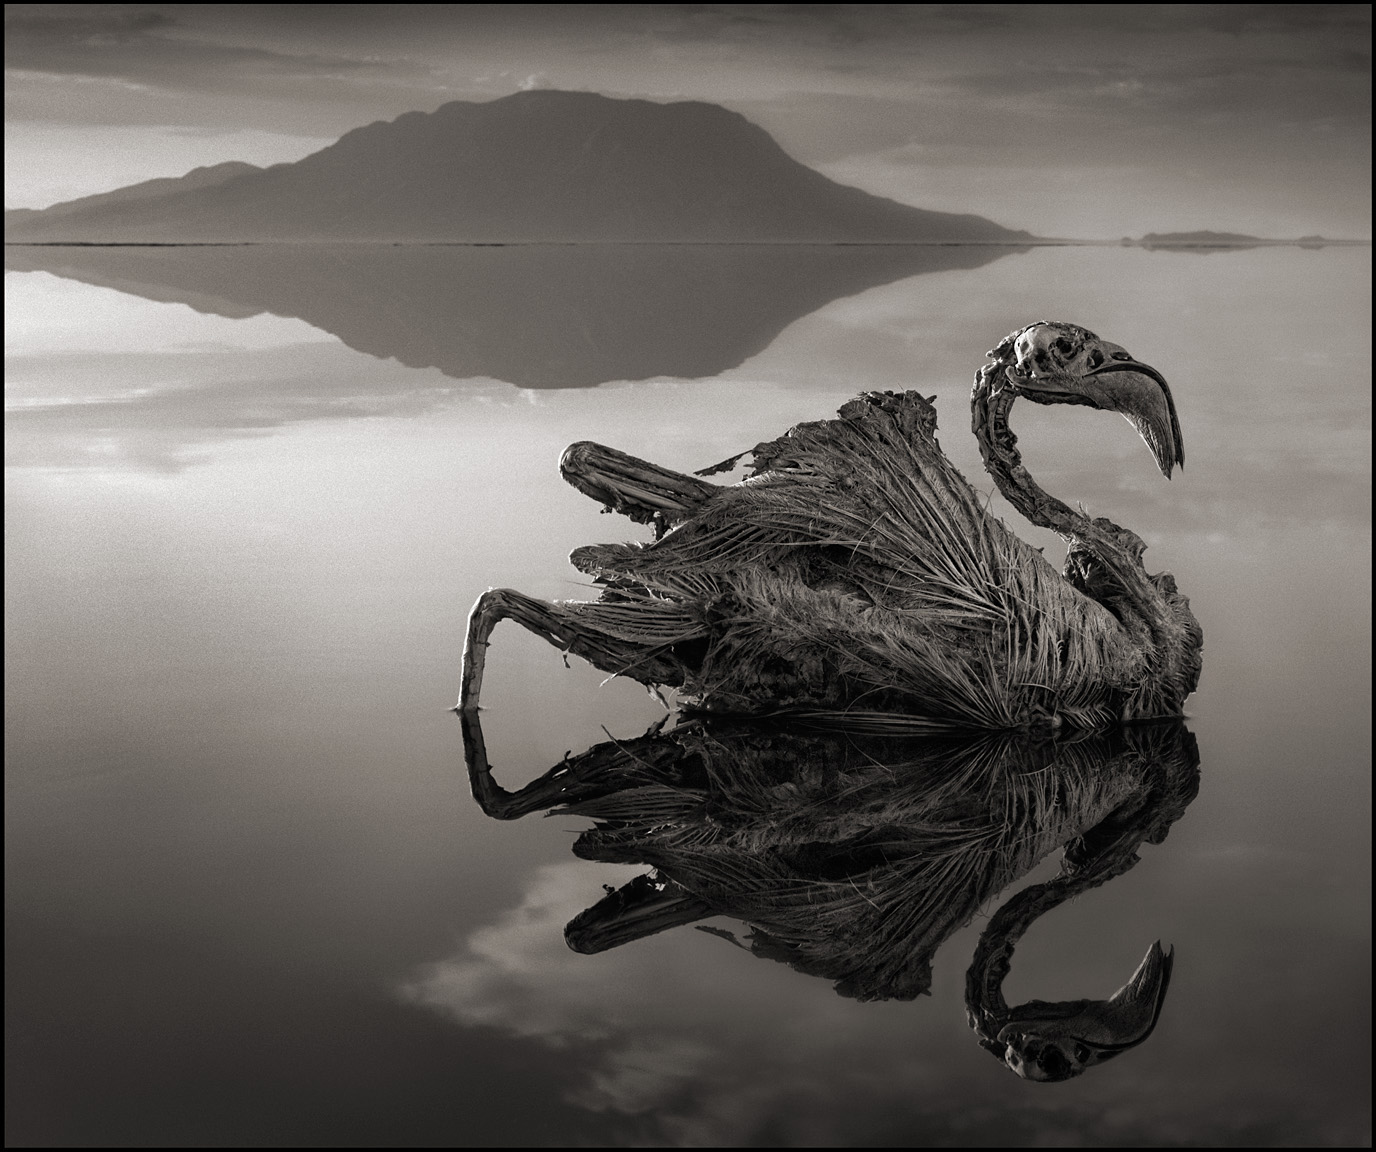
(249, 502)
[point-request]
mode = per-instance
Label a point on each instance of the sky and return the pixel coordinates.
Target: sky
(1094, 121)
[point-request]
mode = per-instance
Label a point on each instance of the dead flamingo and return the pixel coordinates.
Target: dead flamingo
(856, 571)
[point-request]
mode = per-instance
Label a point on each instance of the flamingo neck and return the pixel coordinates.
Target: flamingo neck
(993, 956)
(1103, 560)
(999, 448)
(1165, 760)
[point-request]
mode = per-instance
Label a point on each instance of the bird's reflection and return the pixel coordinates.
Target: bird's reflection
(852, 855)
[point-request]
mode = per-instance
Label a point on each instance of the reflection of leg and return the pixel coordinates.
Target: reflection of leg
(636, 488)
(492, 798)
(556, 625)
(603, 770)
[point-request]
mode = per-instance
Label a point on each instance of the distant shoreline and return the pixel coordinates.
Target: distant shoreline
(1031, 243)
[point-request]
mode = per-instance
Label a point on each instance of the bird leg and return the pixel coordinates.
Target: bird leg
(645, 492)
(561, 625)
(568, 627)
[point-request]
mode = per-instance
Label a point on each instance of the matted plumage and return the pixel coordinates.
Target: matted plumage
(855, 572)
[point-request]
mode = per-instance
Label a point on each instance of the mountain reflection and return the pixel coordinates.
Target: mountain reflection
(854, 855)
(537, 316)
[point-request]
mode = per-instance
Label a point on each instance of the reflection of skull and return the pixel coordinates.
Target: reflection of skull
(1050, 1042)
(1038, 1058)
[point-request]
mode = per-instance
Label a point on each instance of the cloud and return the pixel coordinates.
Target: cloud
(688, 1041)
(518, 975)
(141, 47)
(106, 65)
(139, 410)
(491, 981)
(631, 1017)
(1270, 102)
(1277, 427)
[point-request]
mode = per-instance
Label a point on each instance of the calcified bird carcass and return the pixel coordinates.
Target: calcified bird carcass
(856, 572)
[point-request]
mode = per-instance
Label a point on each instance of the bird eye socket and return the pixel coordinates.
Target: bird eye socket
(1094, 359)
(1053, 1062)
(1063, 346)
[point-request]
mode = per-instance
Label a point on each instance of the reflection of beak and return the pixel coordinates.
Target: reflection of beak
(1104, 1028)
(1139, 1001)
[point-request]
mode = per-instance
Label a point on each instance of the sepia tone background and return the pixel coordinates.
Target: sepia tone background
(252, 493)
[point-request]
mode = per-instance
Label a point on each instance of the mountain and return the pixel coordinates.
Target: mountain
(534, 166)
(539, 316)
(1204, 242)
(1201, 239)
(133, 193)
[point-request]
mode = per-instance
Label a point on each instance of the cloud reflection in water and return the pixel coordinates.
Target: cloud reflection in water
(852, 857)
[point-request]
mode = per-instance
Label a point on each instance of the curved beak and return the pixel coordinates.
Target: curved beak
(1141, 394)
(1130, 366)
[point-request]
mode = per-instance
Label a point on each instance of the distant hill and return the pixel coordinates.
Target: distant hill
(1204, 242)
(147, 190)
(534, 166)
(1202, 239)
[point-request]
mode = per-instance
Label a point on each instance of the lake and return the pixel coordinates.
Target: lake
(252, 494)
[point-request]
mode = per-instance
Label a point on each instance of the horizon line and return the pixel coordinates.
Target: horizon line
(1031, 242)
